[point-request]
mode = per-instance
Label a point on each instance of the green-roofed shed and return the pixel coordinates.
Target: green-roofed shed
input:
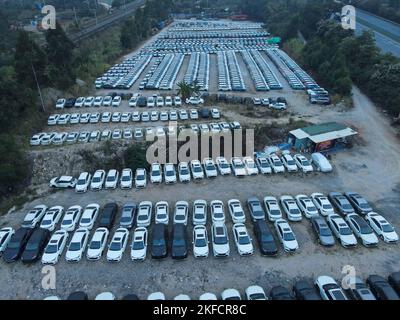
(321, 137)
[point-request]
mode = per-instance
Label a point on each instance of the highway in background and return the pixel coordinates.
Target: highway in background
(387, 33)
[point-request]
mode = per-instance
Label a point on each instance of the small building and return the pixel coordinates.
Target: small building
(325, 137)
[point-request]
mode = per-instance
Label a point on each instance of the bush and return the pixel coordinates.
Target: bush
(135, 157)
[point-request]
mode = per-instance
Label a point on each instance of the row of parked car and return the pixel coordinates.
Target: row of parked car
(258, 78)
(198, 70)
(269, 75)
(33, 241)
(324, 287)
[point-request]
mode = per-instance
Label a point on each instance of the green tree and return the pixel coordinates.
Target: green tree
(135, 157)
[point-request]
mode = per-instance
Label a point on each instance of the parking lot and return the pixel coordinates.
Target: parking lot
(369, 168)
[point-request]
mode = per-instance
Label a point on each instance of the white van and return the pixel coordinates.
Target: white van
(321, 162)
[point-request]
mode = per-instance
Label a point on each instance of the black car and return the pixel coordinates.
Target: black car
(36, 245)
(141, 102)
(205, 113)
(265, 239)
(69, 103)
(109, 213)
(394, 281)
(17, 244)
(179, 245)
(78, 295)
(359, 291)
(359, 203)
(281, 100)
(280, 293)
(159, 244)
(303, 290)
(381, 288)
(130, 296)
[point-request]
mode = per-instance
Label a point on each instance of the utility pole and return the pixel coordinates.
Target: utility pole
(38, 87)
(76, 19)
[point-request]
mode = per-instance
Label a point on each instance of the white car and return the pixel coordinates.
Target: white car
(126, 179)
(140, 178)
(322, 203)
(223, 166)
(177, 101)
(36, 139)
(156, 296)
(117, 245)
(83, 182)
(77, 245)
(71, 218)
(291, 208)
(55, 247)
(238, 167)
(72, 137)
(97, 244)
(98, 101)
(183, 172)
(75, 118)
(125, 117)
(160, 101)
(382, 227)
(208, 296)
(116, 101)
(79, 102)
(60, 103)
(63, 182)
(64, 119)
(307, 206)
(105, 296)
(255, 293)
(362, 230)
(34, 216)
(105, 135)
(341, 231)
(53, 119)
(156, 173)
(199, 212)
(197, 169)
(89, 216)
(209, 168)
(272, 207)
(168, 101)
(286, 235)
(48, 138)
(200, 242)
(242, 238)
(194, 115)
(85, 117)
(107, 101)
(276, 164)
(217, 211)
(52, 217)
(162, 212)
(329, 289)
(135, 116)
(236, 211)
(139, 244)
(94, 117)
(302, 163)
(215, 114)
(289, 163)
(98, 180)
(5, 237)
(88, 102)
(154, 116)
(111, 181)
(116, 117)
(251, 166)
(220, 240)
(194, 100)
(144, 214)
(263, 165)
(230, 294)
(169, 173)
(181, 212)
(133, 101)
(321, 162)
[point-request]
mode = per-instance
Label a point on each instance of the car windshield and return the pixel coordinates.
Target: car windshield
(326, 207)
(155, 173)
(95, 245)
(140, 177)
(96, 179)
(184, 171)
(196, 169)
(75, 246)
(345, 231)
(126, 178)
(210, 167)
(224, 165)
(110, 178)
(257, 296)
(115, 246)
(325, 232)
(266, 238)
(81, 182)
(86, 220)
(158, 242)
(387, 227)
(46, 222)
(170, 173)
(32, 246)
(178, 242)
(137, 245)
(200, 242)
(275, 212)
(67, 222)
(52, 248)
(288, 236)
(161, 216)
(244, 240)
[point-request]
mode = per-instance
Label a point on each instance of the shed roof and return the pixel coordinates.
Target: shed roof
(323, 132)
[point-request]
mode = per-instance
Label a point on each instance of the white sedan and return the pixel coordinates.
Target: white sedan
(5, 237)
(63, 182)
(238, 167)
(251, 166)
(126, 179)
(144, 214)
(276, 164)
(382, 227)
(255, 293)
(323, 204)
(199, 212)
(291, 208)
(55, 247)
(272, 207)
(194, 100)
(217, 211)
(200, 241)
(181, 212)
(71, 218)
(197, 169)
(34, 216)
(162, 212)
(169, 173)
(97, 244)
(89, 216)
(306, 206)
(83, 182)
(98, 180)
(242, 239)
(140, 178)
(117, 245)
(139, 244)
(210, 168)
(263, 165)
(303, 163)
(52, 217)
(77, 245)
(286, 235)
(156, 173)
(236, 211)
(223, 166)
(111, 179)
(289, 163)
(342, 231)
(362, 230)
(184, 172)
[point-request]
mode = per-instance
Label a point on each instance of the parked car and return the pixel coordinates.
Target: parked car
(108, 215)
(117, 245)
(289, 163)
(306, 206)
(5, 237)
(303, 163)
(238, 167)
(55, 247)
(250, 165)
(236, 211)
(77, 245)
(159, 243)
(263, 165)
(82, 185)
(97, 244)
(144, 214)
(52, 217)
(63, 182)
(140, 178)
(16, 244)
(139, 244)
(272, 207)
(359, 203)
(291, 208)
(303, 290)
(200, 241)
(362, 230)
(169, 173)
(111, 181)
(162, 212)
(321, 162)
(322, 231)
(265, 238)
(323, 204)
(329, 289)
(98, 180)
(280, 293)
(217, 211)
(276, 164)
(255, 208)
(179, 246)
(181, 212)
(255, 293)
(242, 239)
(223, 166)
(156, 173)
(184, 172)
(381, 288)
(358, 290)
(394, 281)
(126, 179)
(341, 203)
(71, 218)
(209, 168)
(230, 294)
(197, 170)
(382, 227)
(286, 235)
(34, 216)
(89, 216)
(342, 231)
(127, 218)
(220, 240)
(199, 212)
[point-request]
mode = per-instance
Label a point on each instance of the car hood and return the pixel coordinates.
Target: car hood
(391, 236)
(291, 244)
(269, 247)
(327, 240)
(93, 253)
(221, 248)
(201, 250)
(49, 257)
(29, 256)
(73, 255)
(138, 253)
(180, 251)
(349, 239)
(11, 255)
(369, 238)
(159, 250)
(114, 255)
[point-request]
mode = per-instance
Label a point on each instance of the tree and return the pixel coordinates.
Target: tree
(28, 54)
(60, 55)
(186, 90)
(135, 157)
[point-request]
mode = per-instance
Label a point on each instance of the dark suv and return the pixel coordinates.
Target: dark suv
(159, 244)
(109, 213)
(265, 239)
(179, 244)
(35, 246)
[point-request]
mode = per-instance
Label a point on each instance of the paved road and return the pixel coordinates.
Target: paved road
(387, 34)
